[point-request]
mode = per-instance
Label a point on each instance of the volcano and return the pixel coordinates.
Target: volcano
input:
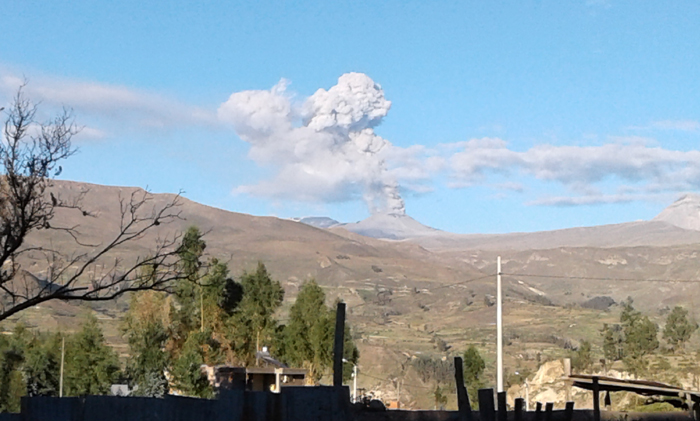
(391, 226)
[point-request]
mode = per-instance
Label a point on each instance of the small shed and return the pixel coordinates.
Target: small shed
(255, 378)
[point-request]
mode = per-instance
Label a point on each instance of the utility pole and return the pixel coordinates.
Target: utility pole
(398, 398)
(354, 383)
(354, 379)
(201, 308)
(499, 327)
(527, 395)
(63, 354)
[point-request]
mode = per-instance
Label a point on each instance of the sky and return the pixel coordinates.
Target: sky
(469, 116)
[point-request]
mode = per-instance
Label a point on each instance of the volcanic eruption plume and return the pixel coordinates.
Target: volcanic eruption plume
(323, 148)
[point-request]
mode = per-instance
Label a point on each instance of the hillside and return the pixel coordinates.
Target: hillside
(407, 296)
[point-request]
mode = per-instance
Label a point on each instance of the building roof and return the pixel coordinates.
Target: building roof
(642, 387)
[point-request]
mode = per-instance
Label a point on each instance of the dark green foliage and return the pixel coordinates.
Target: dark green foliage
(678, 328)
(641, 337)
(42, 365)
(187, 369)
(188, 291)
(253, 319)
(632, 340)
(146, 367)
(309, 337)
(229, 292)
(12, 386)
(29, 365)
(474, 367)
(90, 365)
(434, 370)
(582, 358)
(613, 341)
(191, 251)
(219, 289)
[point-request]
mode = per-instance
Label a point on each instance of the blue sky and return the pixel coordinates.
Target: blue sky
(504, 116)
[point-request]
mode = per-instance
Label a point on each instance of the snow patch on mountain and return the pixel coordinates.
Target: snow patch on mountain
(392, 226)
(322, 222)
(683, 213)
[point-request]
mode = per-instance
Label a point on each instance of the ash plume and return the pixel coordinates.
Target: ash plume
(323, 148)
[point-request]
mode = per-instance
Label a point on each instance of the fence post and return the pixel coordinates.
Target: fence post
(502, 408)
(596, 399)
(465, 408)
(548, 408)
(338, 346)
(519, 402)
(569, 411)
(538, 411)
(486, 406)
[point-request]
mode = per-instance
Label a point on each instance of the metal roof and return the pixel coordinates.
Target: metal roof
(642, 387)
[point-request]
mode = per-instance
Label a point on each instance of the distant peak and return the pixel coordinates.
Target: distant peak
(390, 225)
(683, 213)
(317, 221)
(688, 197)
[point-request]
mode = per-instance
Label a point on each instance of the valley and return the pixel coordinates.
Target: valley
(418, 292)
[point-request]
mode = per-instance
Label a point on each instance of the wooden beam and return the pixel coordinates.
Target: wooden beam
(569, 411)
(338, 346)
(502, 408)
(465, 408)
(519, 403)
(548, 408)
(596, 399)
(486, 406)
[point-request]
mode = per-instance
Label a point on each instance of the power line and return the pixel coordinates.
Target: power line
(434, 289)
(593, 278)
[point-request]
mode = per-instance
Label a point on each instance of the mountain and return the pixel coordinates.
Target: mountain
(317, 221)
(405, 297)
(683, 213)
(292, 251)
(391, 226)
(629, 234)
(676, 225)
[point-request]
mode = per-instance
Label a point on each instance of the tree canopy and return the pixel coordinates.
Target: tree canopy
(678, 328)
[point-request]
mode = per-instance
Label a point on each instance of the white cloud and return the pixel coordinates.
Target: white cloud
(578, 168)
(118, 104)
(323, 148)
(599, 199)
(681, 125)
(571, 165)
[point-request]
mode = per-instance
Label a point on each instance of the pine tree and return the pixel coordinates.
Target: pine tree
(90, 365)
(144, 328)
(640, 338)
(187, 369)
(253, 322)
(678, 328)
(613, 342)
(308, 335)
(582, 358)
(188, 292)
(12, 385)
(474, 367)
(41, 366)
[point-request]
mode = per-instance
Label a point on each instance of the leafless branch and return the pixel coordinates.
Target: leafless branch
(30, 153)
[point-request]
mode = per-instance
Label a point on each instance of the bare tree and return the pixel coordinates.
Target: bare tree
(30, 153)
